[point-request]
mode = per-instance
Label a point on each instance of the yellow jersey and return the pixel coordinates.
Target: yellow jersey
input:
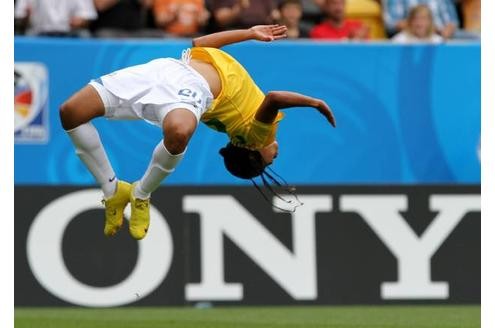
(233, 111)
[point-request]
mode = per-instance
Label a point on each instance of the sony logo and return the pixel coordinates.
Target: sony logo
(223, 216)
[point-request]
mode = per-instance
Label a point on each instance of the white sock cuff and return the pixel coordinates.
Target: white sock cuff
(166, 160)
(84, 136)
(88, 146)
(82, 127)
(162, 164)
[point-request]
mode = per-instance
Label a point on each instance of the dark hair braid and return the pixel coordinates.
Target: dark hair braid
(248, 164)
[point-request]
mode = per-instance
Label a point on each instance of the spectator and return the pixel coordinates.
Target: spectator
(419, 27)
(443, 11)
(335, 26)
(180, 17)
(233, 14)
(54, 18)
(122, 18)
(291, 12)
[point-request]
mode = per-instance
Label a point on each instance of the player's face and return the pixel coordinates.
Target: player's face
(270, 152)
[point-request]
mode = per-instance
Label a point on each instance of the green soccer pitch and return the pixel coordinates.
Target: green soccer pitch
(432, 316)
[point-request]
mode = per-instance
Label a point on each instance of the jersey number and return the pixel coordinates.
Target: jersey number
(190, 93)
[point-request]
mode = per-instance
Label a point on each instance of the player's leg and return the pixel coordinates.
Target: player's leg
(81, 107)
(178, 127)
(75, 115)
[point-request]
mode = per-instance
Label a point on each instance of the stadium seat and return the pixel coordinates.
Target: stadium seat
(369, 12)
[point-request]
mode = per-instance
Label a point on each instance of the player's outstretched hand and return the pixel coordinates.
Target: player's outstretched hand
(325, 110)
(269, 33)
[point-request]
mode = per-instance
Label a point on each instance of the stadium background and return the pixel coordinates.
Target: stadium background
(408, 134)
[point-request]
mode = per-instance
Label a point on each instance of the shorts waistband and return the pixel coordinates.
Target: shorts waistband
(195, 73)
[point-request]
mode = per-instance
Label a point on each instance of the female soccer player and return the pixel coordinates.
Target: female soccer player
(207, 85)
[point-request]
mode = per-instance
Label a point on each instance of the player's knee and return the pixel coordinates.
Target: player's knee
(177, 137)
(66, 116)
(178, 127)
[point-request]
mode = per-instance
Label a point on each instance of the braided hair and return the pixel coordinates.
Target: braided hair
(242, 162)
(248, 164)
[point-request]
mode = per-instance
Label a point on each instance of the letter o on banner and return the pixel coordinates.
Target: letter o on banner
(44, 253)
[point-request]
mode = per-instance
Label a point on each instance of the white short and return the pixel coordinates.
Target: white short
(150, 91)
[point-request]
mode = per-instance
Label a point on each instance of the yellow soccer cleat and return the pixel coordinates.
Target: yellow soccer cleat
(140, 215)
(114, 208)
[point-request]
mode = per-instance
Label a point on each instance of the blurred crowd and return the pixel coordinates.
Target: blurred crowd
(399, 20)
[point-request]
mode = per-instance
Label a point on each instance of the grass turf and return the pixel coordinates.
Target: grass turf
(253, 317)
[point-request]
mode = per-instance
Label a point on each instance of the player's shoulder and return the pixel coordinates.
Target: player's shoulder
(209, 49)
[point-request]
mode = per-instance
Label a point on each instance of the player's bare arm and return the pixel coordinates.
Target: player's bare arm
(264, 33)
(276, 100)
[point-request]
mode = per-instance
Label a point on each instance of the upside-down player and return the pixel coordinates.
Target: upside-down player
(206, 85)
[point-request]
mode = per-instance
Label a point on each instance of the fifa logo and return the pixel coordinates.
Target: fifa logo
(30, 103)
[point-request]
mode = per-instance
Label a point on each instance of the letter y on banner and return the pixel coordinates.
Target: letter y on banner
(413, 253)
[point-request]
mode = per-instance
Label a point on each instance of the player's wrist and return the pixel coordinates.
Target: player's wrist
(250, 34)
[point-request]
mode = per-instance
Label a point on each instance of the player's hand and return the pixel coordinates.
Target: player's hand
(325, 110)
(269, 33)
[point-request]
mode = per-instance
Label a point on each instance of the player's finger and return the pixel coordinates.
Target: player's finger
(278, 37)
(280, 33)
(331, 118)
(332, 121)
(279, 29)
(327, 112)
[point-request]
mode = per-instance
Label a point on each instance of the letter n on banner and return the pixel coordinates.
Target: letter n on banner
(222, 215)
